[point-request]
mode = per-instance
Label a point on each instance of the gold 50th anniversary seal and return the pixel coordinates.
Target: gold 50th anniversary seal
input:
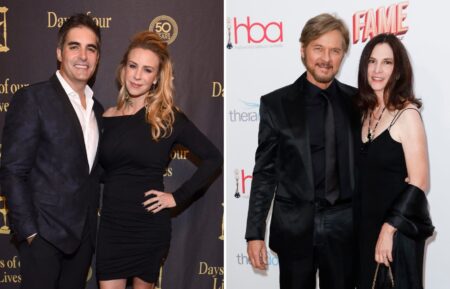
(166, 27)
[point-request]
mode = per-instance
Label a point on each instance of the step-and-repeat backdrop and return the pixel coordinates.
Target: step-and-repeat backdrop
(263, 54)
(194, 30)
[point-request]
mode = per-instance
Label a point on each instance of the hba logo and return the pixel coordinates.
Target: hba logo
(3, 35)
(370, 23)
(252, 32)
(243, 183)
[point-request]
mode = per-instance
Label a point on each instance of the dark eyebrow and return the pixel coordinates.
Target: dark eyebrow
(93, 46)
(387, 58)
(78, 44)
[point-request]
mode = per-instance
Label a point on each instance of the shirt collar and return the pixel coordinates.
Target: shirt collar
(331, 89)
(69, 90)
(311, 91)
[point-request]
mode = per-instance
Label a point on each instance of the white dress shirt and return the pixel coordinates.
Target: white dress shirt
(86, 117)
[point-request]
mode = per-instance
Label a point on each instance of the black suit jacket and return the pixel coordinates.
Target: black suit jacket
(283, 169)
(44, 171)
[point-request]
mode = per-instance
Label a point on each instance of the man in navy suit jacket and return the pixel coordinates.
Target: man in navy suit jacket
(49, 171)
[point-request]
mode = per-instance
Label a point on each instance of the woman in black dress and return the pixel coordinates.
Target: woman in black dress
(391, 209)
(139, 134)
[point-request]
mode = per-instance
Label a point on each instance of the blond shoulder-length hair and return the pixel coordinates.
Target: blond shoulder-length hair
(159, 105)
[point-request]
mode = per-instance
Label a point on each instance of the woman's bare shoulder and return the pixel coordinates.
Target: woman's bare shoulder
(112, 111)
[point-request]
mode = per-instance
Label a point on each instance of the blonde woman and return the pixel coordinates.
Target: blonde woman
(139, 133)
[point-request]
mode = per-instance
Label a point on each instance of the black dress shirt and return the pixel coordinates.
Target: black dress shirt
(315, 116)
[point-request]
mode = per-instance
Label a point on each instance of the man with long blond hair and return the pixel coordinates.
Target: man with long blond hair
(304, 163)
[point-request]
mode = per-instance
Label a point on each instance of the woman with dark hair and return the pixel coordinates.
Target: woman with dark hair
(139, 134)
(391, 209)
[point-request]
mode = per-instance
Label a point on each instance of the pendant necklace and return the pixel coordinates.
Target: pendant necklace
(371, 133)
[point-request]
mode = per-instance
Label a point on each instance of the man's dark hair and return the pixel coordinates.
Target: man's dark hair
(78, 20)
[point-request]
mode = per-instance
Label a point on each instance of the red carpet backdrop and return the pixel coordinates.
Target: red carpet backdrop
(194, 30)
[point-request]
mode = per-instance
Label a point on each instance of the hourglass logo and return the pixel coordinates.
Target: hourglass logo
(4, 229)
(3, 34)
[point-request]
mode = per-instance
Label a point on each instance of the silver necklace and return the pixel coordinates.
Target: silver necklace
(371, 133)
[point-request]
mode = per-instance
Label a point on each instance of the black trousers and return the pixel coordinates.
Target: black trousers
(45, 266)
(332, 256)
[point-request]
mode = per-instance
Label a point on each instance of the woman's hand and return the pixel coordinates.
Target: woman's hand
(158, 201)
(383, 249)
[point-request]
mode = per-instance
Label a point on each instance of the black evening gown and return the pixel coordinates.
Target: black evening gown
(131, 241)
(382, 169)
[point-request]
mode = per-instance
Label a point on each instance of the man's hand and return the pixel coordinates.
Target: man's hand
(257, 252)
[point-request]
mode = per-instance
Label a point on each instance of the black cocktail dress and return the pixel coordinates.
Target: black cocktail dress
(131, 241)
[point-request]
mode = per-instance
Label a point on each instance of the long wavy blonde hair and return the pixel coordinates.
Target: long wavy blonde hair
(159, 101)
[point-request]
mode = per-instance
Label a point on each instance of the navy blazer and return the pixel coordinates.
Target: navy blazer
(44, 172)
(283, 169)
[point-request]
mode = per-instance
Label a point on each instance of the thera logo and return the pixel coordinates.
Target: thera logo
(248, 112)
(243, 259)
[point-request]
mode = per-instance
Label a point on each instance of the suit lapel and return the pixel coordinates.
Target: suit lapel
(294, 106)
(349, 118)
(72, 116)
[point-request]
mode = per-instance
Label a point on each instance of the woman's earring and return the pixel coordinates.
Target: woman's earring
(127, 97)
(153, 87)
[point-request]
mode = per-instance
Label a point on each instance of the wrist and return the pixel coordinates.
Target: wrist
(389, 228)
